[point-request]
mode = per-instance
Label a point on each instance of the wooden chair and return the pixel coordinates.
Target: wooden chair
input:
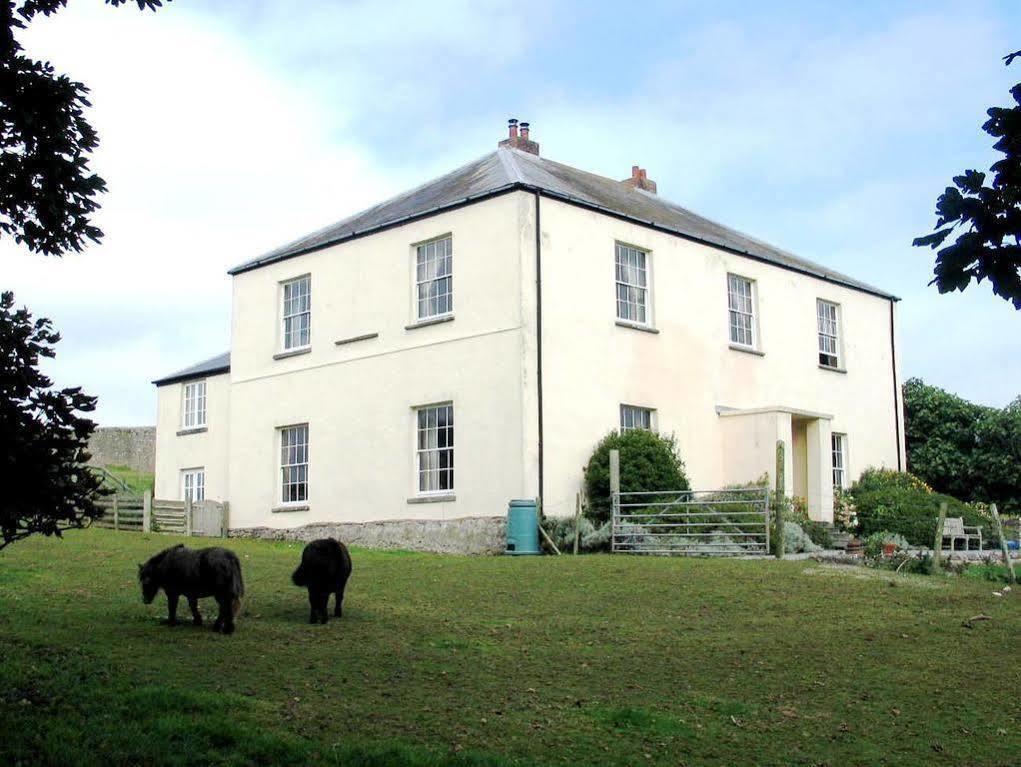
(955, 530)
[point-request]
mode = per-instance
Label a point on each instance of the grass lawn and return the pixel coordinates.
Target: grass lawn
(588, 660)
(137, 481)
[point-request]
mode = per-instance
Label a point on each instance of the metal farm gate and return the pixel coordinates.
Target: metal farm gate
(692, 522)
(727, 522)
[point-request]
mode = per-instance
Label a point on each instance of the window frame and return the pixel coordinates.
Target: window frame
(281, 472)
(284, 316)
(201, 401)
(449, 448)
(838, 447)
(837, 336)
(619, 282)
(416, 283)
(753, 314)
(193, 473)
(634, 409)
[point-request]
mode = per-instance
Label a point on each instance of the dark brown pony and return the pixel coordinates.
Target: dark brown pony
(195, 573)
(324, 570)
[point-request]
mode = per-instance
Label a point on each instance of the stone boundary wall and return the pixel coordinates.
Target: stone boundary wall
(466, 535)
(133, 446)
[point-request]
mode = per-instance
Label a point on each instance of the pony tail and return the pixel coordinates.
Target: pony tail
(298, 578)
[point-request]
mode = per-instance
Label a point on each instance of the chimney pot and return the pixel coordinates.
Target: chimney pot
(517, 138)
(640, 180)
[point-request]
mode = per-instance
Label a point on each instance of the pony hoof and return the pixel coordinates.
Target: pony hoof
(228, 630)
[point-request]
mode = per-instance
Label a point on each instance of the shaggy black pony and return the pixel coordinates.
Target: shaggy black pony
(324, 569)
(213, 572)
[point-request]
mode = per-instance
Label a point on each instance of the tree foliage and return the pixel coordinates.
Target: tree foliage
(969, 451)
(48, 193)
(648, 462)
(43, 439)
(989, 215)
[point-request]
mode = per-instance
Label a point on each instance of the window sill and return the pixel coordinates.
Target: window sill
(444, 498)
(430, 321)
(747, 350)
(355, 339)
(196, 430)
(636, 326)
(296, 507)
(292, 353)
(833, 369)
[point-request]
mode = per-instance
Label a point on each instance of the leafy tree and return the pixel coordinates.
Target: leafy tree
(648, 462)
(990, 215)
(969, 451)
(47, 487)
(47, 191)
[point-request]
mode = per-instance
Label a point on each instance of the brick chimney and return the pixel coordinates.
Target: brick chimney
(639, 180)
(518, 139)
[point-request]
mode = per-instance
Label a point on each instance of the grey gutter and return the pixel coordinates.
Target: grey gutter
(179, 377)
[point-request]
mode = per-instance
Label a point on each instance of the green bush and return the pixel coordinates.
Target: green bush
(873, 544)
(590, 540)
(818, 532)
(648, 462)
(901, 503)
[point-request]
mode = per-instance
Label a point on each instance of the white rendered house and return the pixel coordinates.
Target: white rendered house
(470, 341)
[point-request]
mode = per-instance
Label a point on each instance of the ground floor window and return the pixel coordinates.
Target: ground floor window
(839, 447)
(633, 417)
(434, 448)
(294, 463)
(193, 485)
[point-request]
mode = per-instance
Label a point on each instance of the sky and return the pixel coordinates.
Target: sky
(228, 128)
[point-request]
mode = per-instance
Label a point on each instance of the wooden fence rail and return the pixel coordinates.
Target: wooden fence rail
(146, 514)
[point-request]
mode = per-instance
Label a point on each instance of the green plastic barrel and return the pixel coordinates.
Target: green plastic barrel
(522, 527)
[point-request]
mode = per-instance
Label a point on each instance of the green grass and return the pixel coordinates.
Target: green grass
(137, 482)
(495, 661)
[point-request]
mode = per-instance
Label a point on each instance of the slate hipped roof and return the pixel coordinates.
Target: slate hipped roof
(212, 366)
(509, 169)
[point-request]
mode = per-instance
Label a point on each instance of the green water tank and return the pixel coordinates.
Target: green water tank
(522, 527)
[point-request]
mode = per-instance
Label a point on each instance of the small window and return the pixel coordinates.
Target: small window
(741, 302)
(829, 333)
(434, 281)
(632, 417)
(434, 452)
(297, 313)
(632, 285)
(193, 485)
(194, 413)
(294, 464)
(839, 446)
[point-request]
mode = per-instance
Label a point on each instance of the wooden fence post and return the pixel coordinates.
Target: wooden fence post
(779, 499)
(1011, 578)
(937, 545)
(187, 517)
(577, 521)
(116, 513)
(614, 493)
(147, 511)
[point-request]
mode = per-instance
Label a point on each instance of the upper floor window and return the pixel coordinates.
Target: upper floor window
(294, 463)
(193, 485)
(741, 301)
(632, 417)
(434, 281)
(632, 285)
(434, 450)
(194, 412)
(828, 315)
(839, 447)
(297, 313)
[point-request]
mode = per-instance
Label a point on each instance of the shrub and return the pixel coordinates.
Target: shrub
(873, 545)
(796, 540)
(845, 513)
(590, 540)
(648, 462)
(819, 533)
(898, 502)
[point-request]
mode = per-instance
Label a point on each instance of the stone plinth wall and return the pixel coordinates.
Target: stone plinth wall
(467, 535)
(133, 446)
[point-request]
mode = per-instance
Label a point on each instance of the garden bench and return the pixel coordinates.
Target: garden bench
(955, 529)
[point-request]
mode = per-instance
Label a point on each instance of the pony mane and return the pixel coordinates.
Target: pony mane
(155, 561)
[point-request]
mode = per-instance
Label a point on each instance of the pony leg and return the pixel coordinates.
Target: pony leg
(196, 616)
(313, 603)
(172, 609)
(338, 607)
(226, 617)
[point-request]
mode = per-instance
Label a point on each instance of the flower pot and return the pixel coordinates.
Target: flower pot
(889, 549)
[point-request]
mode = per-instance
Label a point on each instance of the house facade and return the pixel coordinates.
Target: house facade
(470, 342)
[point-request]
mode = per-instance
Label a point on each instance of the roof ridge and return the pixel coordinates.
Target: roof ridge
(510, 164)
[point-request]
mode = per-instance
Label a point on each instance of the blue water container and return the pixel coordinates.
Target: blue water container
(522, 527)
